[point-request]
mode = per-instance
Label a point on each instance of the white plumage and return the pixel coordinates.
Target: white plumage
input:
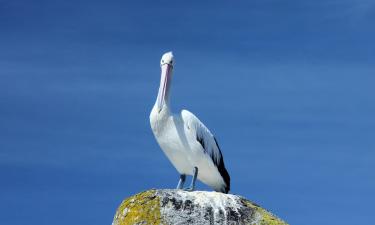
(185, 140)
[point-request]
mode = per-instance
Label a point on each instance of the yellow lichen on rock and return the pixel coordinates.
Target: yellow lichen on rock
(265, 217)
(143, 208)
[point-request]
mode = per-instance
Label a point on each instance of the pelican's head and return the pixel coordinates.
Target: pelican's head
(166, 64)
(167, 59)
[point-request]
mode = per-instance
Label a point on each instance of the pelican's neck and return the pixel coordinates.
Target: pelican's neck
(163, 99)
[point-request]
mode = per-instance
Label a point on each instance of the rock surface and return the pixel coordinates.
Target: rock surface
(198, 207)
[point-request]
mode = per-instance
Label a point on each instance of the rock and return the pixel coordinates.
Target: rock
(199, 207)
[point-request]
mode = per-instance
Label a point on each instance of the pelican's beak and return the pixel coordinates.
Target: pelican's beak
(166, 71)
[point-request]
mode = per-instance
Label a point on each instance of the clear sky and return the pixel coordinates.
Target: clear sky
(287, 87)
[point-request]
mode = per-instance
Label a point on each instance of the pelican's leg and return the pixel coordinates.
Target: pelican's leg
(181, 182)
(192, 185)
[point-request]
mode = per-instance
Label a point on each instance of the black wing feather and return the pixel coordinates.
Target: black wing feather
(217, 159)
(222, 170)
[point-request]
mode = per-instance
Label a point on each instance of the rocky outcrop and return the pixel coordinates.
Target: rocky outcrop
(199, 207)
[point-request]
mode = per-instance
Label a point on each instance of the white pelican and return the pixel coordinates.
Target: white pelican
(188, 144)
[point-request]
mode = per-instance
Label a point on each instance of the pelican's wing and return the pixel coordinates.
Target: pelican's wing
(203, 136)
(208, 142)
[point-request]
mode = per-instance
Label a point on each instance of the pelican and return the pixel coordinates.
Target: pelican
(185, 140)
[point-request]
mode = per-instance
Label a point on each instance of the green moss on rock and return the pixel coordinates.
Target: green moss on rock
(142, 208)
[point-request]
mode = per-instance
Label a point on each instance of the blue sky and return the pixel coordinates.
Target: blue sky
(286, 86)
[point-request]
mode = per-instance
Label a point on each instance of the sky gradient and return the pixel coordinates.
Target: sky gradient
(287, 87)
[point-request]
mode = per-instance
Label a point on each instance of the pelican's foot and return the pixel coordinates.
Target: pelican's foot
(181, 182)
(192, 185)
(189, 189)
